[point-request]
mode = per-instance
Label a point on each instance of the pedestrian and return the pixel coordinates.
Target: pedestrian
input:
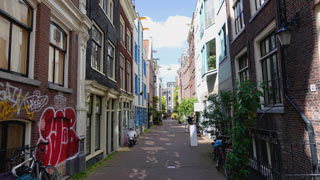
(190, 120)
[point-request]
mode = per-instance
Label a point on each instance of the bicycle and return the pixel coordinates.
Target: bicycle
(32, 167)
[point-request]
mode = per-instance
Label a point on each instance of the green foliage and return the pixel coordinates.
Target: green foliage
(212, 62)
(176, 99)
(174, 115)
(186, 107)
(157, 120)
(163, 105)
(244, 100)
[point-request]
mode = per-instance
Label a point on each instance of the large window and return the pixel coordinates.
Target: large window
(223, 43)
(15, 29)
(211, 54)
(97, 50)
(129, 79)
(270, 72)
(238, 16)
(88, 129)
(97, 122)
(243, 68)
(122, 31)
(110, 62)
(136, 84)
(201, 21)
(209, 12)
(259, 3)
(110, 10)
(122, 72)
(57, 53)
(129, 41)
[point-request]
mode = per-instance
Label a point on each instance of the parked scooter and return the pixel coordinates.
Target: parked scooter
(132, 136)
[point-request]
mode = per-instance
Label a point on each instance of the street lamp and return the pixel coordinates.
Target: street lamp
(284, 33)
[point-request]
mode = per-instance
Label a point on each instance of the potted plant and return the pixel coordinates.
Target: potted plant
(212, 62)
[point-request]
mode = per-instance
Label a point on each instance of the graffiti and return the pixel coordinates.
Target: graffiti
(59, 102)
(56, 126)
(36, 102)
(13, 102)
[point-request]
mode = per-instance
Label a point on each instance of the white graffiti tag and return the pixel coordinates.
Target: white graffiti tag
(36, 102)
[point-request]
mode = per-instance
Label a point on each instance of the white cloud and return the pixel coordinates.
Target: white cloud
(171, 33)
(169, 72)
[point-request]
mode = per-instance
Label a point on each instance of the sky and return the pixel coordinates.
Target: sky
(168, 22)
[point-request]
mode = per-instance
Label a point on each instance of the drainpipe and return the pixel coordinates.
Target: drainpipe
(308, 123)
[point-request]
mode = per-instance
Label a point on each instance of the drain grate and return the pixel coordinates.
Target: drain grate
(171, 167)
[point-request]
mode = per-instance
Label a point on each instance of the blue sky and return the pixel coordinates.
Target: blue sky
(168, 25)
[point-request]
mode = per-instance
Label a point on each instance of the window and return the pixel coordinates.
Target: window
(97, 122)
(223, 43)
(12, 138)
(88, 131)
(238, 16)
(129, 41)
(110, 10)
(203, 60)
(122, 71)
(144, 91)
(201, 21)
(15, 29)
(97, 50)
(135, 53)
(57, 52)
(209, 12)
(122, 30)
(259, 3)
(243, 68)
(103, 4)
(110, 62)
(270, 72)
(129, 79)
(211, 54)
(136, 84)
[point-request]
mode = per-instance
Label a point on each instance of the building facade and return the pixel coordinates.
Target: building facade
(282, 140)
(38, 87)
(170, 96)
(140, 79)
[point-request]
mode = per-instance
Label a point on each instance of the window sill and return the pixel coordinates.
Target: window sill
(238, 35)
(59, 88)
(112, 80)
(92, 155)
(19, 79)
(258, 11)
(275, 110)
(98, 71)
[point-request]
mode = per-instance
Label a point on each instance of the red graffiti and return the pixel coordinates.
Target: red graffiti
(57, 128)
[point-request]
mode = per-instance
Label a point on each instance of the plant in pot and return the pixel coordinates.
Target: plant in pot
(212, 62)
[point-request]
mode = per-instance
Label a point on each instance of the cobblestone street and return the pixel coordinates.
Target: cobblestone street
(163, 153)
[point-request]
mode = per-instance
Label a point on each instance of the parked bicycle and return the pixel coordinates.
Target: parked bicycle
(32, 168)
(221, 148)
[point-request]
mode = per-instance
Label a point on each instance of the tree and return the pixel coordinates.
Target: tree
(244, 100)
(176, 99)
(163, 104)
(186, 107)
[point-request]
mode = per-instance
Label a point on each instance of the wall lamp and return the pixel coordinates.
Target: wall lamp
(284, 32)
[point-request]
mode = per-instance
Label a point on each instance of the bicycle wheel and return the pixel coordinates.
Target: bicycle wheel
(49, 173)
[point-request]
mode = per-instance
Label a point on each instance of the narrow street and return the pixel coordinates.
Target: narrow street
(163, 153)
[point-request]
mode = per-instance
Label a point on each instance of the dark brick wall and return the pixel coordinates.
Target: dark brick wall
(97, 15)
(302, 69)
(42, 33)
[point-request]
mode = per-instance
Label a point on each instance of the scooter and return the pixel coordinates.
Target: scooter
(132, 136)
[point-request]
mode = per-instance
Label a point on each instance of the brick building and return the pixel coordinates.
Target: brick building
(41, 47)
(281, 142)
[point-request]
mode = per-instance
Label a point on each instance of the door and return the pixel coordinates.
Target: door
(11, 137)
(119, 127)
(107, 130)
(112, 130)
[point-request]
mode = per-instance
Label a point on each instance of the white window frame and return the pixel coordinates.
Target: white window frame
(101, 53)
(255, 10)
(236, 58)
(233, 16)
(123, 80)
(122, 39)
(129, 81)
(113, 78)
(259, 78)
(110, 9)
(66, 58)
(127, 43)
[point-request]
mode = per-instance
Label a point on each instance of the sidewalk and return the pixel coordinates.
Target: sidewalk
(163, 153)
